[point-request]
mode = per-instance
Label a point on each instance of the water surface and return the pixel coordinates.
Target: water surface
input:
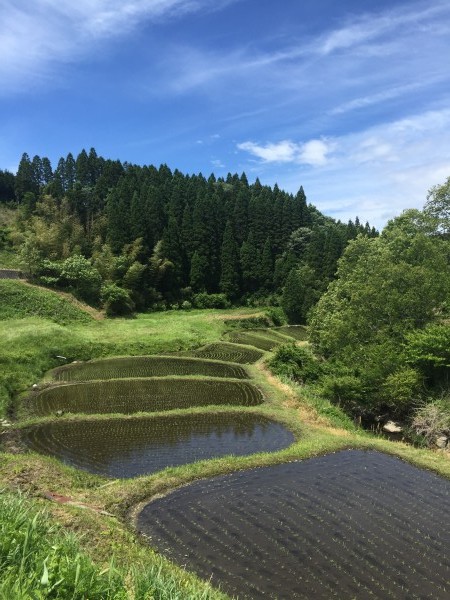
(350, 525)
(138, 446)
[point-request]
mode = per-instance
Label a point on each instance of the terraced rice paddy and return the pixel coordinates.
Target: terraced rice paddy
(137, 446)
(229, 353)
(267, 339)
(128, 396)
(296, 331)
(258, 340)
(147, 366)
(348, 525)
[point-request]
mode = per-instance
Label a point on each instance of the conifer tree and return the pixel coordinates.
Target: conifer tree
(198, 273)
(82, 169)
(24, 179)
(70, 172)
(229, 261)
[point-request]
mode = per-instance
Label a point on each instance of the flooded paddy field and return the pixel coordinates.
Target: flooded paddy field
(355, 524)
(128, 396)
(138, 446)
(229, 352)
(146, 366)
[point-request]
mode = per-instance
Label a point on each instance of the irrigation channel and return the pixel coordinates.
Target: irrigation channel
(353, 524)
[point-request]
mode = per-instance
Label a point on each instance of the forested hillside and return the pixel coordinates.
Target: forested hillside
(136, 237)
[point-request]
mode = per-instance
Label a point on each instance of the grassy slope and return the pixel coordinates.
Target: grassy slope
(38, 325)
(28, 347)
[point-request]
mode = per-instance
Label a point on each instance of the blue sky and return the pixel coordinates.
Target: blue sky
(350, 99)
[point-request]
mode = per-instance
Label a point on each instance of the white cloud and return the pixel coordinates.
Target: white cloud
(284, 151)
(375, 173)
(313, 152)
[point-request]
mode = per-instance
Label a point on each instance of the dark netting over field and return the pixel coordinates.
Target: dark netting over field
(229, 352)
(132, 447)
(148, 395)
(147, 366)
(348, 525)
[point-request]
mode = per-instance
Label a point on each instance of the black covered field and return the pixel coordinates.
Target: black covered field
(348, 525)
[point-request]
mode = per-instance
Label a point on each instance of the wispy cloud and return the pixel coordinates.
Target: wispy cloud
(367, 36)
(36, 35)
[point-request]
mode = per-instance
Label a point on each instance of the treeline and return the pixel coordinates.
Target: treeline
(380, 334)
(140, 237)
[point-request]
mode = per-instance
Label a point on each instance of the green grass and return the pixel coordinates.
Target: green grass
(29, 346)
(40, 560)
(18, 301)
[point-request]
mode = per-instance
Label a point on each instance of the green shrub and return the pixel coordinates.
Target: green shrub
(81, 277)
(297, 363)
(345, 390)
(401, 388)
(204, 300)
(276, 315)
(116, 300)
(247, 323)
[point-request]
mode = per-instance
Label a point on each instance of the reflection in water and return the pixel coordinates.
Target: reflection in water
(131, 447)
(347, 525)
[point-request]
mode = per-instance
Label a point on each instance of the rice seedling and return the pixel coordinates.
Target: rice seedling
(299, 332)
(143, 445)
(229, 352)
(250, 338)
(129, 396)
(348, 525)
(146, 366)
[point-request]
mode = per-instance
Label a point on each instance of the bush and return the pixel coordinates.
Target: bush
(276, 316)
(296, 363)
(116, 300)
(204, 300)
(186, 305)
(81, 277)
(432, 420)
(345, 390)
(247, 323)
(401, 388)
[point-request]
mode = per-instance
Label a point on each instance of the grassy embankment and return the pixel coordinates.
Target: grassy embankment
(28, 347)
